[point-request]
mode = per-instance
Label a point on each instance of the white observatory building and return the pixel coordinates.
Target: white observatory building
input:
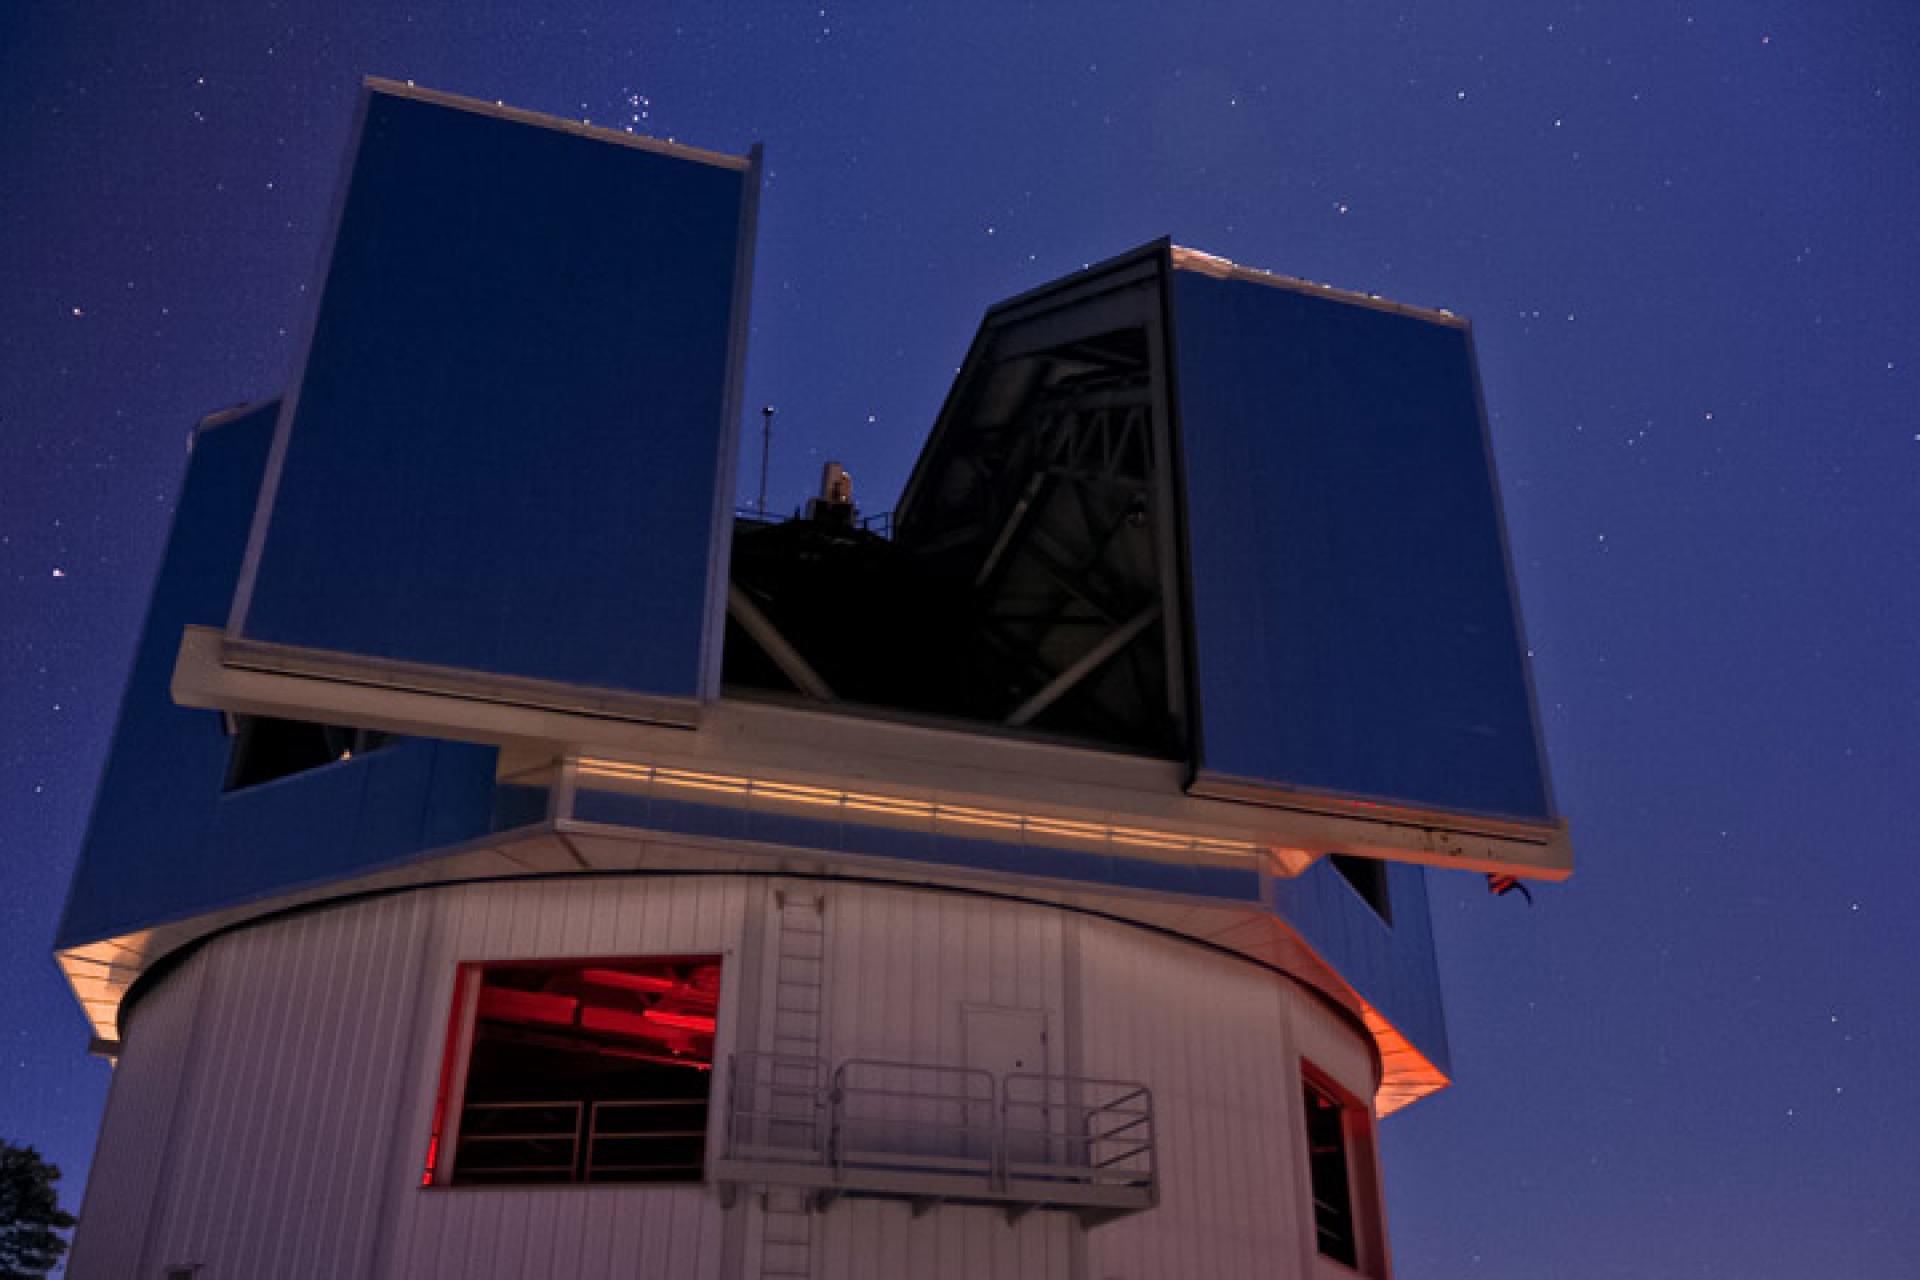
(511, 861)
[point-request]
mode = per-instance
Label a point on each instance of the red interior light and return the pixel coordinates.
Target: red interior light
(626, 981)
(685, 1021)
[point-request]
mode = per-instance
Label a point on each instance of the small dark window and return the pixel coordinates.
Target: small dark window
(577, 1071)
(1346, 1213)
(1368, 876)
(182, 1273)
(267, 747)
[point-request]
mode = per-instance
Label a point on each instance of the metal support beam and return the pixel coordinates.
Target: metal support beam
(1100, 720)
(1007, 531)
(756, 624)
(1056, 562)
(1089, 662)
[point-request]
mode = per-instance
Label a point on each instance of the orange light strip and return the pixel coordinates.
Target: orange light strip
(903, 807)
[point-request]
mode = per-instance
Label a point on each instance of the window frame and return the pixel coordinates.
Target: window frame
(1362, 1165)
(441, 1160)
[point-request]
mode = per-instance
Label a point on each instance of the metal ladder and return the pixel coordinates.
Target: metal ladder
(800, 952)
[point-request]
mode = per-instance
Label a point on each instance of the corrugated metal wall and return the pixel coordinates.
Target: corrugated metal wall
(902, 963)
(902, 966)
(558, 1231)
(1219, 1042)
(287, 1120)
(135, 1135)
(270, 1114)
(883, 1240)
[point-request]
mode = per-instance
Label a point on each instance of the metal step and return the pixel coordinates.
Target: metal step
(799, 967)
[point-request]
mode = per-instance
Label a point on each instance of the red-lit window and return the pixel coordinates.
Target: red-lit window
(576, 1071)
(1344, 1178)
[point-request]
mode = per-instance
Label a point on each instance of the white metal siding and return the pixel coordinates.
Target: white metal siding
(279, 1160)
(134, 1136)
(469, 1233)
(270, 1115)
(299, 1124)
(902, 964)
(883, 1240)
(1218, 1040)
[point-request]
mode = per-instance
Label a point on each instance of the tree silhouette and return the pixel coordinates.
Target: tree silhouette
(31, 1218)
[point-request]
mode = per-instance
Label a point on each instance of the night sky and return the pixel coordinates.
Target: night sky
(1687, 237)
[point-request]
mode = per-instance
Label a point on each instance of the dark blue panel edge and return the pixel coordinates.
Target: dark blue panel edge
(726, 471)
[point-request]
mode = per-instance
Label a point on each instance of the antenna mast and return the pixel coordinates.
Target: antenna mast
(766, 451)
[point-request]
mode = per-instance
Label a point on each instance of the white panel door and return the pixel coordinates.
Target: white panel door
(1005, 1041)
(1010, 1042)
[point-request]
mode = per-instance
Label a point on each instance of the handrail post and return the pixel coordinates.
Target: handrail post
(1153, 1148)
(836, 1138)
(1001, 1175)
(582, 1141)
(733, 1103)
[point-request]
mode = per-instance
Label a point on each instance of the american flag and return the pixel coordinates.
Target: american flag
(1501, 886)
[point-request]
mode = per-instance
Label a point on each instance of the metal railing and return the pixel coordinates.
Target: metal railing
(532, 1139)
(577, 1140)
(880, 523)
(924, 1131)
(1078, 1130)
(777, 1107)
(639, 1135)
(910, 1116)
